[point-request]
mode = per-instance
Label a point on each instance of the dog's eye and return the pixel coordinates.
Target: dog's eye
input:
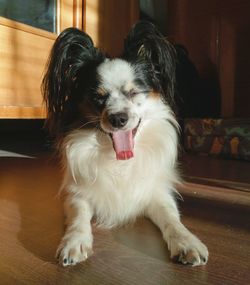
(100, 100)
(132, 93)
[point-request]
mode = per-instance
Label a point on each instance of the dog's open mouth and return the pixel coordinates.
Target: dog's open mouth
(123, 143)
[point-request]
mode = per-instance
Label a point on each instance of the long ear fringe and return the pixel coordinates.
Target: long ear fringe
(73, 50)
(145, 42)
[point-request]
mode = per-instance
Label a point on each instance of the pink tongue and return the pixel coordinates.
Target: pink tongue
(123, 144)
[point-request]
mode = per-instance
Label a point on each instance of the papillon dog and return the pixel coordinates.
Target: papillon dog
(118, 136)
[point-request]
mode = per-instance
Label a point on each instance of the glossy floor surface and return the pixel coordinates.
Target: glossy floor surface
(31, 225)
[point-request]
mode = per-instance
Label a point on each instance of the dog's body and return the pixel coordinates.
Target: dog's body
(118, 139)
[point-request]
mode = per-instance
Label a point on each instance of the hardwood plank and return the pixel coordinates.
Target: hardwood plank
(216, 194)
(230, 173)
(31, 225)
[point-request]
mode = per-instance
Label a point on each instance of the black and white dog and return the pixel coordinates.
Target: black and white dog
(118, 138)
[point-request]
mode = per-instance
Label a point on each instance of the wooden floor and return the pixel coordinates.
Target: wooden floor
(31, 225)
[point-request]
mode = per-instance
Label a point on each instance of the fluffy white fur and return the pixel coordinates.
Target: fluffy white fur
(115, 191)
(118, 191)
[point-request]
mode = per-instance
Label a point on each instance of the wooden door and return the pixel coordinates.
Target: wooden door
(24, 51)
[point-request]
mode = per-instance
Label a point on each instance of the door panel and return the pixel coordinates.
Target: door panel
(24, 51)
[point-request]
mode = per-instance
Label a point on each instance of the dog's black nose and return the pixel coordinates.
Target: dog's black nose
(118, 120)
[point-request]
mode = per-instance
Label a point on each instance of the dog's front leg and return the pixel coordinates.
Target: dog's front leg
(76, 245)
(183, 245)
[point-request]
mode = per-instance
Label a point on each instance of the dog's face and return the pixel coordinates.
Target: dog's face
(121, 100)
(122, 97)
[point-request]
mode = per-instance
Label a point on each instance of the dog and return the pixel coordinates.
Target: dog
(117, 133)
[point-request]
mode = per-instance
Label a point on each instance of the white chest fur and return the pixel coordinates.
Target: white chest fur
(120, 190)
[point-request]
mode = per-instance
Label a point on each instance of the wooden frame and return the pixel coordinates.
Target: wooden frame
(24, 51)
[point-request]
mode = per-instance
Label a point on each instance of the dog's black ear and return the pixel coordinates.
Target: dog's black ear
(72, 56)
(145, 42)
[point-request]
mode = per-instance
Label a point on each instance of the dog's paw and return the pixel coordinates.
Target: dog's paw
(74, 248)
(188, 249)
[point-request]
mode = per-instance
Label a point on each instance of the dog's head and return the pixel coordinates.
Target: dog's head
(85, 89)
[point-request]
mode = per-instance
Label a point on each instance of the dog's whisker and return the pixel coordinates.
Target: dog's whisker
(87, 123)
(93, 117)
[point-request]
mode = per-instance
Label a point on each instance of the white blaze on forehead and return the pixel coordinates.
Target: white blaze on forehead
(115, 73)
